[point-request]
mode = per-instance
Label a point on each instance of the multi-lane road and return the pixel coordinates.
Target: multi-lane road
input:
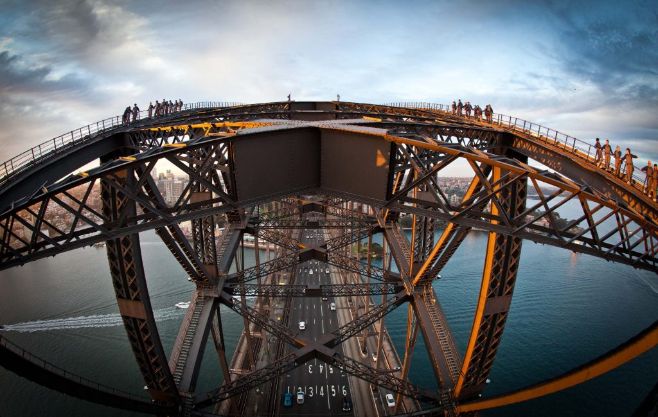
(325, 388)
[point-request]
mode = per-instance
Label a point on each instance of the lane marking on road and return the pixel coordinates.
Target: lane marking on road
(322, 315)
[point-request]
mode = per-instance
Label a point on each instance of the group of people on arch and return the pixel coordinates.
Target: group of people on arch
(602, 158)
(465, 109)
(623, 162)
(131, 114)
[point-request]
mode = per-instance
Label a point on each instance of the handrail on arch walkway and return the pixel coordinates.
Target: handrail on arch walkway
(62, 142)
(578, 147)
(53, 146)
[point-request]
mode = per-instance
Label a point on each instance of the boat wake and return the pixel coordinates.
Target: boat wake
(95, 321)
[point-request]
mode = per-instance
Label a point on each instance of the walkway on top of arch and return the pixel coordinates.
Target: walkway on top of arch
(60, 143)
(560, 143)
(536, 141)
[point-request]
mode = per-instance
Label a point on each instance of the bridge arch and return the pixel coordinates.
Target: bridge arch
(385, 158)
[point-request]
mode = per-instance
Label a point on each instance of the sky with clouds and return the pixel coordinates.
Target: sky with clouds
(586, 68)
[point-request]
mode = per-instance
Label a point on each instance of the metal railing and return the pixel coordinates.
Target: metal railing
(577, 147)
(65, 374)
(56, 145)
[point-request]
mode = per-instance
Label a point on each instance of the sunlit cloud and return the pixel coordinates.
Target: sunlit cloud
(67, 63)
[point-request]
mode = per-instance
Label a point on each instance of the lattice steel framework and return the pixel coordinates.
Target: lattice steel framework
(399, 155)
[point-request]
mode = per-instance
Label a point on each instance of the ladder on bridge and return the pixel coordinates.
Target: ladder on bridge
(224, 240)
(196, 305)
(439, 324)
(400, 246)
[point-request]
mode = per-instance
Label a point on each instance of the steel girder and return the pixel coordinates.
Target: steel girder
(129, 284)
(287, 290)
(423, 150)
(249, 381)
(438, 337)
(634, 240)
(498, 279)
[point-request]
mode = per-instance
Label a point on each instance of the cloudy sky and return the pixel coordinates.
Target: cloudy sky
(585, 68)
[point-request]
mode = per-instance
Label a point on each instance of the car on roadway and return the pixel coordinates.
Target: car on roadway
(390, 401)
(347, 404)
(332, 306)
(287, 399)
(310, 271)
(300, 398)
(327, 270)
(324, 298)
(302, 325)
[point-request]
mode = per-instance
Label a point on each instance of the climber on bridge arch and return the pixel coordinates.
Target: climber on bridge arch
(649, 186)
(654, 180)
(468, 109)
(126, 115)
(488, 113)
(477, 111)
(150, 109)
(607, 150)
(454, 107)
(135, 112)
(617, 155)
(598, 154)
(460, 107)
(628, 159)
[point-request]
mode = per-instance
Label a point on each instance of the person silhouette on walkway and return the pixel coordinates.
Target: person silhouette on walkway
(126, 115)
(135, 112)
(460, 107)
(617, 155)
(488, 112)
(628, 159)
(648, 182)
(607, 150)
(150, 109)
(654, 178)
(598, 154)
(454, 107)
(468, 109)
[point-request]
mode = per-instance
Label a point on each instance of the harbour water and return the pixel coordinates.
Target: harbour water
(567, 309)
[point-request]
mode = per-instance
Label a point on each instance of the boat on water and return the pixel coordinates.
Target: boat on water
(183, 304)
(99, 244)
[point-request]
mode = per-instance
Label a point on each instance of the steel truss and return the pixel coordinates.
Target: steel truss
(615, 224)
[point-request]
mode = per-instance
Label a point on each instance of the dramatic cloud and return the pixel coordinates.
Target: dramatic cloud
(588, 69)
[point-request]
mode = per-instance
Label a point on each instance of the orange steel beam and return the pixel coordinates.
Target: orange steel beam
(484, 290)
(230, 125)
(479, 156)
(447, 232)
(639, 344)
(413, 235)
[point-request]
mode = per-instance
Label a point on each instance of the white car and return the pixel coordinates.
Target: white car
(332, 306)
(300, 398)
(390, 401)
(302, 325)
(310, 271)
(327, 271)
